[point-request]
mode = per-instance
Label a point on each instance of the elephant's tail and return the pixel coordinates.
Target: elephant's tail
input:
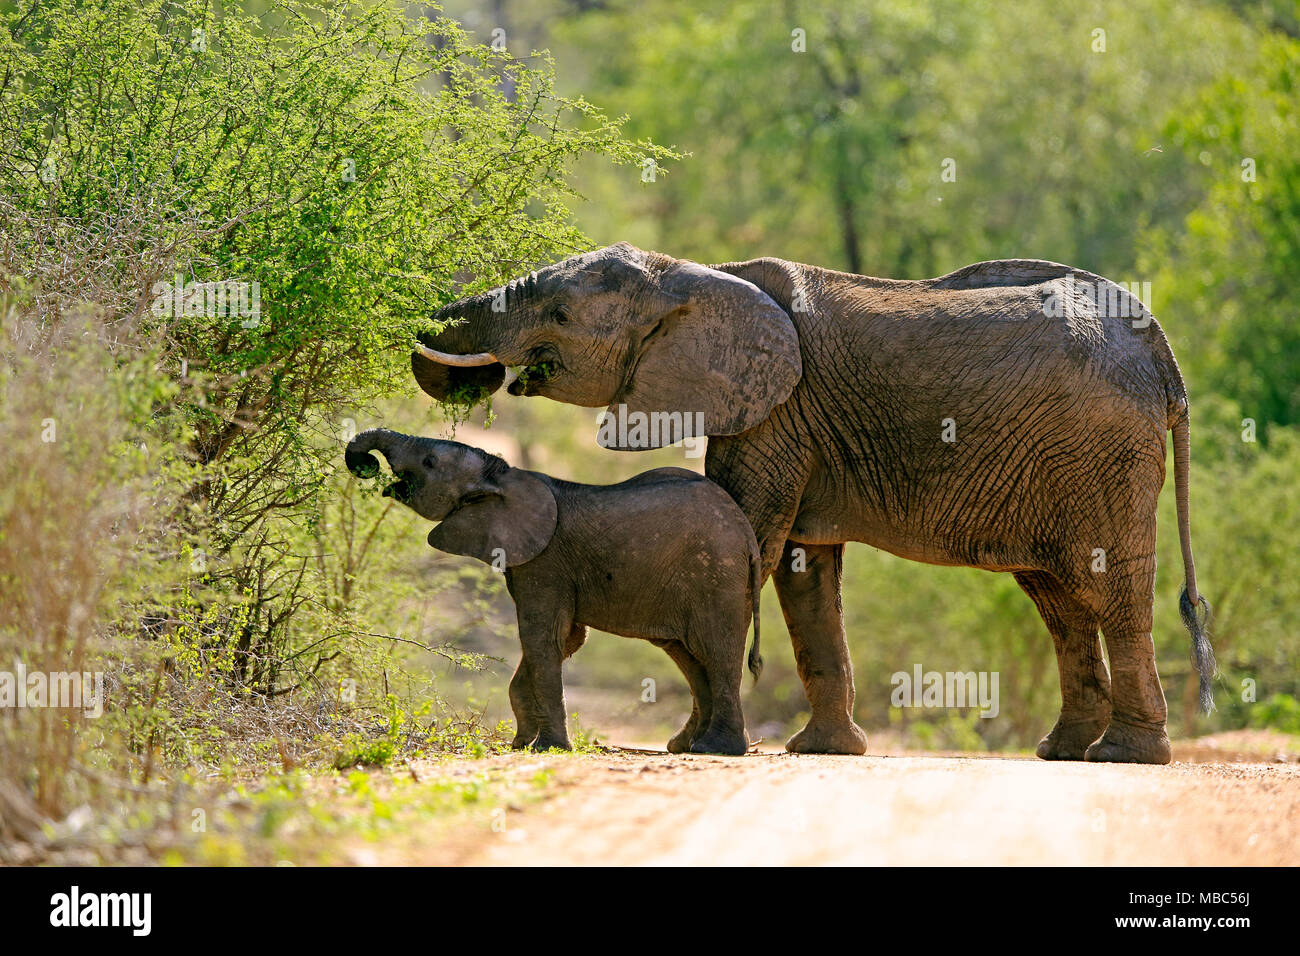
(756, 587)
(1190, 601)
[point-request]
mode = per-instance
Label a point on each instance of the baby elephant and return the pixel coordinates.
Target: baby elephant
(666, 556)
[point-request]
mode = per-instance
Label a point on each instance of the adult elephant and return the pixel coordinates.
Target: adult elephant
(1009, 416)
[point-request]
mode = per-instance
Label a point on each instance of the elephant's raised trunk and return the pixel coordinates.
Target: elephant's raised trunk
(358, 458)
(452, 365)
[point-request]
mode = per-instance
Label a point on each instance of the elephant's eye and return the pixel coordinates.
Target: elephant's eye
(561, 316)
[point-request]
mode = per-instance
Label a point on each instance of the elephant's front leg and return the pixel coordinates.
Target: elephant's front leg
(808, 585)
(543, 633)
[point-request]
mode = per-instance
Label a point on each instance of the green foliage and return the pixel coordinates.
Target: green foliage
(76, 495)
(1227, 274)
(359, 751)
(1280, 712)
(356, 163)
(948, 730)
(837, 155)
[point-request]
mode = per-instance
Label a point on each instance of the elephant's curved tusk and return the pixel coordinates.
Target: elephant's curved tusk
(460, 361)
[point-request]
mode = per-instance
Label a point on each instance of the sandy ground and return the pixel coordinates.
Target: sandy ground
(777, 808)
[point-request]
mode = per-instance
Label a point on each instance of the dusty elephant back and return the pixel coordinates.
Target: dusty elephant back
(975, 422)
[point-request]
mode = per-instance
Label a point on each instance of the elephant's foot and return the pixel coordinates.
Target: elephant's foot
(1069, 739)
(681, 741)
(823, 737)
(546, 741)
(521, 741)
(1131, 743)
(720, 742)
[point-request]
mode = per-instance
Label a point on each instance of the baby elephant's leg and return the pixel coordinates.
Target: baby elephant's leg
(523, 703)
(701, 699)
(723, 664)
(540, 633)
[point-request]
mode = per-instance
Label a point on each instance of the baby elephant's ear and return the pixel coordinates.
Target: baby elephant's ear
(509, 523)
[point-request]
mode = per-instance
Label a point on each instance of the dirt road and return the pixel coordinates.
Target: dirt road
(776, 808)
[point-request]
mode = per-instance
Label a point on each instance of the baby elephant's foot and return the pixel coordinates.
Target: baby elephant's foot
(1069, 739)
(1131, 743)
(521, 741)
(718, 742)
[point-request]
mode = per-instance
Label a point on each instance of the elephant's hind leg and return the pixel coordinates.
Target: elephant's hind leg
(1085, 683)
(724, 733)
(810, 600)
(701, 701)
(1137, 727)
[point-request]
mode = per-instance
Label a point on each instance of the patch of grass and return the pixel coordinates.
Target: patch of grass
(353, 817)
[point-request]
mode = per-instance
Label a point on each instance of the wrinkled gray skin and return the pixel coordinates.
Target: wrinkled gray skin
(666, 556)
(826, 397)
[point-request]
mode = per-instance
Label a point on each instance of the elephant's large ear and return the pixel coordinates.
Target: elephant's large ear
(509, 521)
(723, 349)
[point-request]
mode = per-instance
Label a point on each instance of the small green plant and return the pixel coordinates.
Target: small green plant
(583, 739)
(361, 751)
(358, 751)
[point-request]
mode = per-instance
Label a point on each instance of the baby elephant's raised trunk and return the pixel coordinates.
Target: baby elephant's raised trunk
(358, 458)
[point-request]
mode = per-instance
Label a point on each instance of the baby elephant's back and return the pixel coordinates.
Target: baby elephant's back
(668, 526)
(680, 507)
